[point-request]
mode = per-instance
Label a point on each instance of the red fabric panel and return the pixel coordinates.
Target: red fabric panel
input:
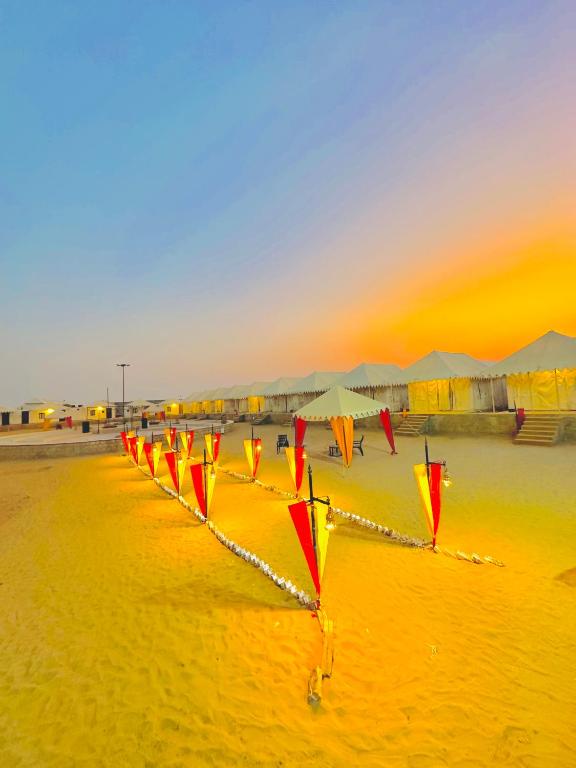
(387, 424)
(299, 514)
(435, 498)
(299, 431)
(170, 457)
(197, 471)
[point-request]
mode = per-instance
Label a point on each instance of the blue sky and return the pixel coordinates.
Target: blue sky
(208, 190)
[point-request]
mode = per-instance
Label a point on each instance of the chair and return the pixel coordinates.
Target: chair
(282, 442)
(334, 450)
(358, 445)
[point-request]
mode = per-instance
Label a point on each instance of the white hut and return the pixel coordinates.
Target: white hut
(37, 410)
(379, 381)
(5, 415)
(443, 381)
(304, 390)
(542, 375)
(276, 394)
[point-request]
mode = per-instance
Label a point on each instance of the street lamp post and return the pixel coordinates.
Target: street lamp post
(123, 366)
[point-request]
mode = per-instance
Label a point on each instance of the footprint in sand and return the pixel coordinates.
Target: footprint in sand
(567, 577)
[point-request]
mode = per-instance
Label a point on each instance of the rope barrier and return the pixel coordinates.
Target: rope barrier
(364, 522)
(282, 583)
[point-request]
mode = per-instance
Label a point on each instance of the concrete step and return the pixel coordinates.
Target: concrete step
(533, 441)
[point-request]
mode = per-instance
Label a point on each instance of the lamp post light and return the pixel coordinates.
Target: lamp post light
(123, 366)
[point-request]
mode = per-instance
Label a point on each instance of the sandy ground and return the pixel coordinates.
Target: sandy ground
(130, 637)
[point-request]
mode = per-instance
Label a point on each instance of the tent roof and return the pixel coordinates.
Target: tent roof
(339, 401)
(238, 391)
(257, 388)
(280, 386)
(371, 375)
(443, 365)
(37, 404)
(139, 403)
(550, 351)
(317, 381)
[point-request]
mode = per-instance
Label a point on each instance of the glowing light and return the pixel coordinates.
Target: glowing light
(330, 522)
(446, 478)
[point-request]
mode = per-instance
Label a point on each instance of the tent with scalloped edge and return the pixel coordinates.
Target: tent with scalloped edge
(442, 381)
(542, 375)
(341, 407)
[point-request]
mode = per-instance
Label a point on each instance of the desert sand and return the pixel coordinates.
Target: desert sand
(130, 637)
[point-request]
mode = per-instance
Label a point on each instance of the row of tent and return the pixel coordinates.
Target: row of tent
(539, 376)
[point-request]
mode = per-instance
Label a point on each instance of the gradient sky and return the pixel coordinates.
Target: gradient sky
(218, 192)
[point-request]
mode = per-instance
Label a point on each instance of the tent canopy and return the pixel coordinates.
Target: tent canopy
(549, 352)
(317, 381)
(443, 365)
(256, 388)
(339, 401)
(139, 403)
(280, 386)
(370, 375)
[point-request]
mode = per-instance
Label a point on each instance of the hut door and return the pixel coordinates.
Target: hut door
(25, 417)
(108, 413)
(5, 418)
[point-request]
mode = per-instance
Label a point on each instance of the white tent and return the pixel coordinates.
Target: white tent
(280, 386)
(339, 401)
(317, 381)
(370, 376)
(442, 381)
(276, 396)
(542, 375)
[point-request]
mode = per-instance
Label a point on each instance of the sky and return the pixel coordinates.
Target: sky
(233, 191)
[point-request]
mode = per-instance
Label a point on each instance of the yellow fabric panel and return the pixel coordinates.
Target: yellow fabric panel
(322, 535)
(156, 452)
(544, 394)
(206, 406)
(418, 397)
(519, 390)
(421, 475)
(181, 467)
(140, 446)
(439, 390)
(218, 406)
(255, 404)
(461, 394)
(567, 388)
(343, 428)
(210, 483)
(249, 454)
(196, 407)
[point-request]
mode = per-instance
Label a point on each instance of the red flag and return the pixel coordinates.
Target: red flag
(216, 445)
(299, 514)
(125, 442)
(299, 431)
(435, 499)
(387, 424)
(197, 471)
(149, 457)
(132, 446)
(170, 457)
